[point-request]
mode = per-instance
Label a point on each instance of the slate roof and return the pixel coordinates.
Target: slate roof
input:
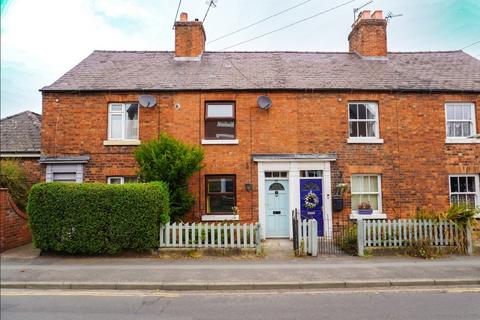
(158, 70)
(20, 133)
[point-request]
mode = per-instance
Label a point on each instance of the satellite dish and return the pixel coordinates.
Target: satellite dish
(264, 102)
(147, 100)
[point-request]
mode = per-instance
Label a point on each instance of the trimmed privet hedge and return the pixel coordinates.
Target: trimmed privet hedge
(93, 218)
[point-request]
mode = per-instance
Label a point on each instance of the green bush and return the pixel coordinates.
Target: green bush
(172, 162)
(12, 177)
(93, 218)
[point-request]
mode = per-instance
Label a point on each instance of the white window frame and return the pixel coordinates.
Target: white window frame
(54, 168)
(376, 138)
(123, 114)
(477, 188)
(122, 179)
(376, 214)
(469, 139)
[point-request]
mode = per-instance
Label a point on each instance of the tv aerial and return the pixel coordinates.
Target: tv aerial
(210, 3)
(355, 10)
(391, 15)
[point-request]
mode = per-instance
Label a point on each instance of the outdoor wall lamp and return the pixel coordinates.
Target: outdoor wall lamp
(248, 186)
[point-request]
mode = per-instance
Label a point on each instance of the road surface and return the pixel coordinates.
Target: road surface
(406, 303)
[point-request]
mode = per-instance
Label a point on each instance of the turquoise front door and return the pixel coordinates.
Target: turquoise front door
(276, 204)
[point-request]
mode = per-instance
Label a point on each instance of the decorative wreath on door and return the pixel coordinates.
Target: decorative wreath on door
(311, 200)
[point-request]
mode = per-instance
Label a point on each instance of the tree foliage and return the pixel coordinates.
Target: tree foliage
(173, 162)
(13, 177)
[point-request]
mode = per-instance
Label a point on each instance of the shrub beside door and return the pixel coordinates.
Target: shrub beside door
(93, 218)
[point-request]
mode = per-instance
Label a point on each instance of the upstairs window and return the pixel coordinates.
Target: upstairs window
(123, 121)
(363, 120)
(460, 118)
(220, 194)
(220, 121)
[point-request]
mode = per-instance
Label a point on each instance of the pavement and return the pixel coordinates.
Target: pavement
(232, 273)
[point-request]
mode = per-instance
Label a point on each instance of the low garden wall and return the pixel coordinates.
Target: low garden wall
(14, 229)
(94, 218)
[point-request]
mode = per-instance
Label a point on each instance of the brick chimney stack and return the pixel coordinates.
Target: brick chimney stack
(189, 37)
(368, 37)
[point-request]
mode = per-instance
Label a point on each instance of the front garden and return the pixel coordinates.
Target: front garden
(98, 218)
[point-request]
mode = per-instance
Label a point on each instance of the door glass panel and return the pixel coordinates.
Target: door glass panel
(311, 186)
(276, 187)
(64, 177)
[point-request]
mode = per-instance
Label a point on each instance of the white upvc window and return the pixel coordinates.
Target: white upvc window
(465, 189)
(367, 188)
(460, 122)
(363, 124)
(123, 121)
(121, 180)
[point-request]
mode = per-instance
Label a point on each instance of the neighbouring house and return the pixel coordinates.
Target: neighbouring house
(20, 140)
(280, 130)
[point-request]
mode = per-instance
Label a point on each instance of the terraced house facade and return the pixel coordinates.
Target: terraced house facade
(280, 130)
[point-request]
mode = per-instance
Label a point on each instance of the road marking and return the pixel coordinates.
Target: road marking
(94, 293)
(177, 294)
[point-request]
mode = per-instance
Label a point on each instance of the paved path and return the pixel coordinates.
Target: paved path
(413, 304)
(247, 272)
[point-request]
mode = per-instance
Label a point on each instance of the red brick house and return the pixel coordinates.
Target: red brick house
(399, 128)
(20, 140)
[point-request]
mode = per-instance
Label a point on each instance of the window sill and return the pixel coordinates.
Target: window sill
(461, 140)
(356, 216)
(232, 141)
(365, 140)
(220, 217)
(121, 142)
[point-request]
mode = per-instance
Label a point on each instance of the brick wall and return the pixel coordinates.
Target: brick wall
(32, 169)
(414, 160)
(14, 229)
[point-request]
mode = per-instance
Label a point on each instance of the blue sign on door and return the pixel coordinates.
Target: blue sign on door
(311, 201)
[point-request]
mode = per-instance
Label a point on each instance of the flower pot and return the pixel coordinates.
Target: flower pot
(365, 211)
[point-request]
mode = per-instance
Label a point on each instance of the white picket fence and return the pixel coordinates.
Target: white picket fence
(405, 232)
(305, 236)
(210, 235)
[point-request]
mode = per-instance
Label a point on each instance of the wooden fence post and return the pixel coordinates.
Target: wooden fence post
(468, 231)
(314, 235)
(258, 242)
(360, 237)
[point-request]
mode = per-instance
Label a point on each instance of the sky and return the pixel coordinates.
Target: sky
(41, 40)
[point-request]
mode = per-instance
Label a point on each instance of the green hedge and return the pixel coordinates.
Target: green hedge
(93, 218)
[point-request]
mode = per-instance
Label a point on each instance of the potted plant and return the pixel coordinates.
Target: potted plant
(365, 208)
(236, 213)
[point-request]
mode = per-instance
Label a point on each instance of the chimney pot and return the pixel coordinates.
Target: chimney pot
(184, 17)
(365, 14)
(377, 14)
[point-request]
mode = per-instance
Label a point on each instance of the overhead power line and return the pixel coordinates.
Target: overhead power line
(289, 25)
(259, 21)
(470, 45)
